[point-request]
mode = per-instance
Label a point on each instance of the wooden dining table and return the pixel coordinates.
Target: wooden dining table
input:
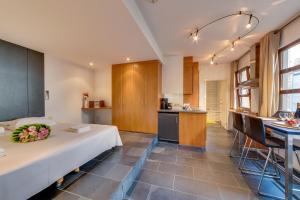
(289, 134)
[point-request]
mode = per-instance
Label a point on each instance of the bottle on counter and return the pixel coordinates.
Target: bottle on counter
(297, 113)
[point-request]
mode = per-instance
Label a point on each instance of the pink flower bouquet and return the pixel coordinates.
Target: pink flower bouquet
(31, 133)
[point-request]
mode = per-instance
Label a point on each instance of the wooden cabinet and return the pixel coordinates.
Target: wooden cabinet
(188, 78)
(190, 81)
(192, 129)
(136, 90)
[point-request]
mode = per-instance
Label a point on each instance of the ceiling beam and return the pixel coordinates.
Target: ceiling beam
(141, 22)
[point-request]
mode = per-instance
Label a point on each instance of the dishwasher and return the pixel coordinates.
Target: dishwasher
(168, 126)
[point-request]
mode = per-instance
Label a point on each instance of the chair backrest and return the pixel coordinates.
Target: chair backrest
(276, 115)
(255, 129)
(238, 122)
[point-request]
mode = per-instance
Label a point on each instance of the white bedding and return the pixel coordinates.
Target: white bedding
(31, 167)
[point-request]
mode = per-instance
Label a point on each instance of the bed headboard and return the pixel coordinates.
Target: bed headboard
(21, 82)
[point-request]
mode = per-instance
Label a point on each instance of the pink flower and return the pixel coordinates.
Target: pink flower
(43, 133)
(31, 128)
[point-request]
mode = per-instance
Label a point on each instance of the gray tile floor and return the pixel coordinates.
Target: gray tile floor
(173, 172)
(101, 177)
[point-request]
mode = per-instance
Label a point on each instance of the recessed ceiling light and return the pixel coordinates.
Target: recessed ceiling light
(127, 59)
(91, 64)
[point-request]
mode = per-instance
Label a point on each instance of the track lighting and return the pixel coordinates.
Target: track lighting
(212, 60)
(195, 35)
(232, 46)
(249, 23)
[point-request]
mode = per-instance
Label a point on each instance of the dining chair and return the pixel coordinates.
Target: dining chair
(256, 129)
(238, 125)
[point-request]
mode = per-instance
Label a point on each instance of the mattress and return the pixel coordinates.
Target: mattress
(29, 168)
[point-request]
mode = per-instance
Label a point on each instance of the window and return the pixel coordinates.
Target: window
(290, 76)
(243, 94)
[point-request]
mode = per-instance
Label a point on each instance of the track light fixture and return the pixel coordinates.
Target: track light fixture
(212, 61)
(195, 35)
(249, 23)
(232, 46)
(251, 26)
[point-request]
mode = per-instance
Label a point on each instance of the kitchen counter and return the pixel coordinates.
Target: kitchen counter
(192, 126)
(183, 111)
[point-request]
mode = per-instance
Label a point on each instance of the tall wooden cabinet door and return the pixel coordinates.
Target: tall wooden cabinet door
(188, 78)
(151, 96)
(117, 96)
(138, 96)
(128, 96)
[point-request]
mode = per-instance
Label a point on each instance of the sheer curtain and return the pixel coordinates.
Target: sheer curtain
(269, 74)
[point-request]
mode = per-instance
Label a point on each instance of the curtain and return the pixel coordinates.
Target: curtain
(234, 67)
(269, 74)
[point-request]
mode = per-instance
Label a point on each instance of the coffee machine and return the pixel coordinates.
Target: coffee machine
(164, 103)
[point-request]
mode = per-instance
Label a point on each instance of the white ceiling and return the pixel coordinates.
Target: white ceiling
(107, 31)
(101, 31)
(172, 20)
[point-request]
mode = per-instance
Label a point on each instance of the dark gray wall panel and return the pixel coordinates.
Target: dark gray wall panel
(13, 81)
(21, 82)
(36, 83)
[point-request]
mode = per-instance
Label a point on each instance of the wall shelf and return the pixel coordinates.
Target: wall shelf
(101, 108)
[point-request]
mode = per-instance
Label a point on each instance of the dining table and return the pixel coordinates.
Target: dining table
(288, 134)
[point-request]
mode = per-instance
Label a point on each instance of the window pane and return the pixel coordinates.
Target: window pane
(245, 102)
(291, 57)
(291, 80)
(243, 91)
(289, 102)
(243, 76)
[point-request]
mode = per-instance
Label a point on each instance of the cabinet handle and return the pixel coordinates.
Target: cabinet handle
(176, 120)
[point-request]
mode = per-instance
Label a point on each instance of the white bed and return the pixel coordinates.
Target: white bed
(31, 167)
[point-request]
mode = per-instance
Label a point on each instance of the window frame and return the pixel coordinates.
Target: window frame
(239, 86)
(283, 70)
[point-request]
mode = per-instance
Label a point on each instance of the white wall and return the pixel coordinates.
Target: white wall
(172, 79)
(244, 61)
(102, 83)
(212, 73)
(66, 83)
(290, 33)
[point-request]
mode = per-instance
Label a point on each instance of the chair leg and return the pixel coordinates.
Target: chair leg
(263, 171)
(297, 156)
(235, 138)
(247, 152)
(242, 154)
(274, 159)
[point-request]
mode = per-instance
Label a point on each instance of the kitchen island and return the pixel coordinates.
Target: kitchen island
(191, 125)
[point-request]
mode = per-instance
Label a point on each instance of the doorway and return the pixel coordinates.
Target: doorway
(216, 102)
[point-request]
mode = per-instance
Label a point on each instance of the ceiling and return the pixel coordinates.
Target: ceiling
(98, 31)
(172, 20)
(108, 31)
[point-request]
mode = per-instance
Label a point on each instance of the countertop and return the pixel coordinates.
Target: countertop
(183, 111)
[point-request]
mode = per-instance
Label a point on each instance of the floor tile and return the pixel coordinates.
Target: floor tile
(230, 193)
(151, 164)
(163, 157)
(118, 172)
(192, 162)
(135, 151)
(158, 193)
(216, 177)
(195, 187)
(139, 191)
(94, 187)
(175, 169)
(156, 178)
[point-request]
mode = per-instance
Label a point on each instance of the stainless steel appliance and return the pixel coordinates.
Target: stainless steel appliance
(168, 126)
